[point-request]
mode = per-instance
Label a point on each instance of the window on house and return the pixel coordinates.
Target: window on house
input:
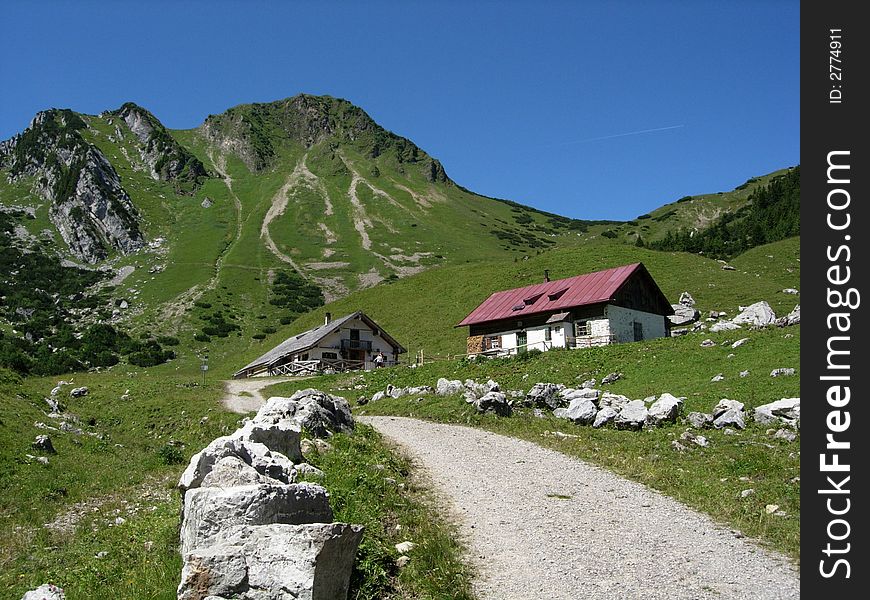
(557, 329)
(329, 355)
(492, 342)
(638, 331)
(304, 356)
(548, 334)
(582, 328)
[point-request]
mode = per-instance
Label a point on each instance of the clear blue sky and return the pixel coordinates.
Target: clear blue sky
(587, 109)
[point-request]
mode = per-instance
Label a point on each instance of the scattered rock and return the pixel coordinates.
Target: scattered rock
(699, 420)
(785, 434)
(402, 561)
(615, 401)
(756, 315)
(782, 372)
(79, 392)
(744, 373)
(739, 342)
(790, 291)
(664, 410)
(727, 268)
(206, 202)
(747, 492)
(317, 412)
(46, 591)
(545, 395)
(494, 402)
(604, 416)
(446, 387)
(698, 440)
(570, 394)
(231, 471)
(683, 314)
(273, 465)
(725, 405)
(686, 299)
(611, 377)
(771, 508)
(582, 411)
(632, 416)
(718, 377)
(724, 326)
(42, 443)
(589, 383)
(708, 343)
(405, 547)
(792, 318)
(786, 410)
(730, 418)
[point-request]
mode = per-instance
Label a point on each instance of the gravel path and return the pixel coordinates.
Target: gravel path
(543, 526)
(243, 395)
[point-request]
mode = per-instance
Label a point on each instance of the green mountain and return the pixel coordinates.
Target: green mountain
(223, 235)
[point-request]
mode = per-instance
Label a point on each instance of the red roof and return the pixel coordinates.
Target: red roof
(582, 290)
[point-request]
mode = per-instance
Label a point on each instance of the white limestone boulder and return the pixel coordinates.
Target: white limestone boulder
(209, 510)
(272, 562)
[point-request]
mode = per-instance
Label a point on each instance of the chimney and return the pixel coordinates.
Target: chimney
(546, 275)
(327, 318)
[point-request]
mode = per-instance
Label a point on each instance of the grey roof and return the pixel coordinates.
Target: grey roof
(309, 339)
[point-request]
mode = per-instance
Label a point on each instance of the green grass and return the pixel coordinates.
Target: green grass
(707, 479)
(129, 472)
(421, 311)
(372, 485)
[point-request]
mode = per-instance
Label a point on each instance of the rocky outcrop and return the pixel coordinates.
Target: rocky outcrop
(92, 212)
(632, 416)
(166, 159)
(248, 531)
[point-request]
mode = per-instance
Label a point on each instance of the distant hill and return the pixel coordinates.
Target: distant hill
(771, 213)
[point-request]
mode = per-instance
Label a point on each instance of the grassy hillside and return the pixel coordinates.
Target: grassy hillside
(689, 213)
(421, 311)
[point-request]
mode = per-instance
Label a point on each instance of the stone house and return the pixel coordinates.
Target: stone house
(622, 304)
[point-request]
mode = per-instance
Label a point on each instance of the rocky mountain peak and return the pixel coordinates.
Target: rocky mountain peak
(166, 159)
(254, 132)
(88, 205)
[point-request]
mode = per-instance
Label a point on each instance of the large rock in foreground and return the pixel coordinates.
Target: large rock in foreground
(208, 511)
(273, 562)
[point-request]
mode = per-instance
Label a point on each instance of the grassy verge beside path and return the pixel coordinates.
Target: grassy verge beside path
(101, 518)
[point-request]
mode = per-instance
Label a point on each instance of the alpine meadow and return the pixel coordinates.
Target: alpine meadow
(142, 267)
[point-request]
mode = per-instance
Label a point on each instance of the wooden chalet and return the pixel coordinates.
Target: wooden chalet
(346, 344)
(623, 304)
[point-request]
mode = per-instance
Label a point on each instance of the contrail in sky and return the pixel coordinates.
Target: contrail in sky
(616, 135)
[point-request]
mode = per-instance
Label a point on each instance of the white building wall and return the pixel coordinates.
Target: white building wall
(622, 323)
(332, 342)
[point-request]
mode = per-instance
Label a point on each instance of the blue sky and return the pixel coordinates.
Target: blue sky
(588, 109)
